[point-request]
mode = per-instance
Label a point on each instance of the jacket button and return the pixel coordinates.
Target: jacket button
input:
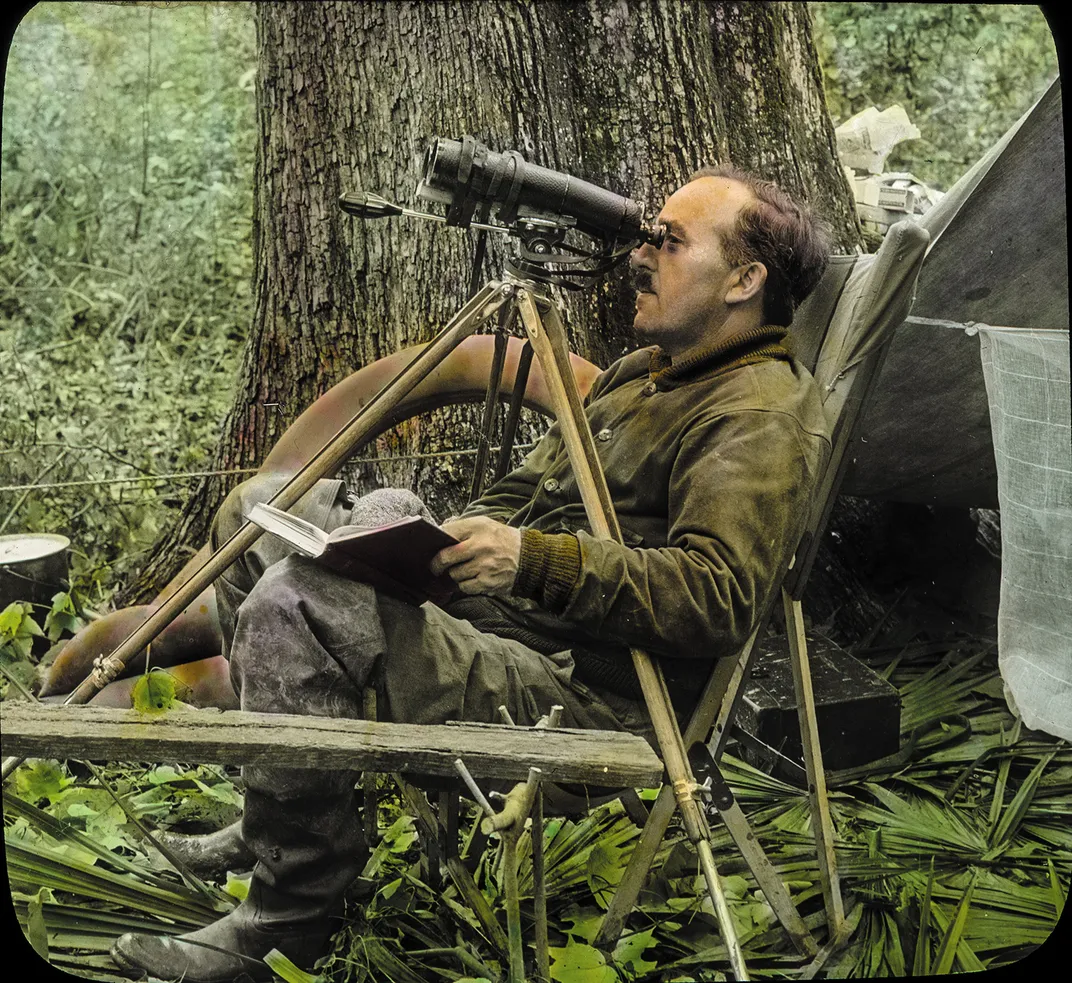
(550, 485)
(649, 389)
(605, 434)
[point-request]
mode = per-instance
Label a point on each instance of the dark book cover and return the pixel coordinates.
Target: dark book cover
(393, 558)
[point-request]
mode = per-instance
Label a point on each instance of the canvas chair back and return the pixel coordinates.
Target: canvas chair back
(874, 296)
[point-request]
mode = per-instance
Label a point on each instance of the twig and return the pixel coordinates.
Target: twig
(41, 351)
(16, 682)
(463, 955)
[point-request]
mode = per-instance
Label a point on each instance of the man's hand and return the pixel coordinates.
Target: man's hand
(486, 559)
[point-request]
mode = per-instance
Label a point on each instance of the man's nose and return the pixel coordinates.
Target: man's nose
(643, 255)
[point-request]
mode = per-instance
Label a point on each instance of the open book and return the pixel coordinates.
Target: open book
(393, 558)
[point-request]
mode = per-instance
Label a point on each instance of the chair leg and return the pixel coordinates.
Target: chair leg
(813, 762)
(772, 886)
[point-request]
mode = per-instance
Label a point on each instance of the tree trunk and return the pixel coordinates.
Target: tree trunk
(630, 96)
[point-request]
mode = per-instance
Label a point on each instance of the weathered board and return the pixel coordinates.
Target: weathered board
(491, 751)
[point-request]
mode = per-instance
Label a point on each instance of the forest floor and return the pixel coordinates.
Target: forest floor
(954, 855)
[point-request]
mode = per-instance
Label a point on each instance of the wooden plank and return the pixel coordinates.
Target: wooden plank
(491, 751)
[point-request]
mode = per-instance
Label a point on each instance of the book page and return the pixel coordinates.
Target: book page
(303, 536)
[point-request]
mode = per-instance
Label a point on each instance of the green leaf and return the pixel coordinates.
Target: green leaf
(237, 885)
(579, 963)
(630, 950)
(1014, 814)
(36, 931)
(154, 692)
(223, 792)
(10, 619)
(951, 940)
(40, 779)
(921, 962)
(18, 630)
(1055, 887)
(604, 870)
(62, 617)
(283, 967)
(582, 925)
(162, 774)
(399, 837)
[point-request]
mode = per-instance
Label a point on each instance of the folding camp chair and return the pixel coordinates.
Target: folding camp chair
(841, 333)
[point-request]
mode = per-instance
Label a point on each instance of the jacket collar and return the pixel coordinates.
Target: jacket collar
(756, 345)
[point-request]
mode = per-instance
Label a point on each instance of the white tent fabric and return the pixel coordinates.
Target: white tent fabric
(1027, 382)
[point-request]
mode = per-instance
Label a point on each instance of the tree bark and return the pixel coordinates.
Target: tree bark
(630, 96)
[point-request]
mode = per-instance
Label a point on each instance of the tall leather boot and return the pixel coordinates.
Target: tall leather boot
(308, 851)
(211, 855)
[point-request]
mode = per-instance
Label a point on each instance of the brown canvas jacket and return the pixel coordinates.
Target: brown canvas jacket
(711, 466)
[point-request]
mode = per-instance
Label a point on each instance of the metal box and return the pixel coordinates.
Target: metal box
(858, 712)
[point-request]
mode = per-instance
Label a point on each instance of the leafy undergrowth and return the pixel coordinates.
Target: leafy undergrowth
(955, 860)
(125, 263)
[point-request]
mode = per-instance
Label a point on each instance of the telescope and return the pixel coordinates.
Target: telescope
(535, 204)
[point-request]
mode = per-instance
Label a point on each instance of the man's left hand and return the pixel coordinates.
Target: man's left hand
(487, 558)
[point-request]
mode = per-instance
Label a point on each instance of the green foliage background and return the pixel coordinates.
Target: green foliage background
(964, 73)
(124, 263)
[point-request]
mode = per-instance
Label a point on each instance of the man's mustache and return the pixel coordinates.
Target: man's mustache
(642, 280)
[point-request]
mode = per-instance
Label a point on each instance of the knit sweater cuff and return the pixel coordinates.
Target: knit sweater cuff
(549, 567)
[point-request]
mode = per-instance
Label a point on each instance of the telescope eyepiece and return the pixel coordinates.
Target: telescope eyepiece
(654, 235)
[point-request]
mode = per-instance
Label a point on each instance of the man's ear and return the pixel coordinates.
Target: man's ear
(748, 282)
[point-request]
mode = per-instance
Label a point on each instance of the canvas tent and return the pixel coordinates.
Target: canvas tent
(998, 256)
(973, 405)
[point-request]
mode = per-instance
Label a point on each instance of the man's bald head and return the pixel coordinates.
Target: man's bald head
(774, 229)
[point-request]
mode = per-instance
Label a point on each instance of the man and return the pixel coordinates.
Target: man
(711, 441)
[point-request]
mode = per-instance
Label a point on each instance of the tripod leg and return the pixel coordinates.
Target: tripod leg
(513, 413)
(548, 340)
(813, 762)
(491, 404)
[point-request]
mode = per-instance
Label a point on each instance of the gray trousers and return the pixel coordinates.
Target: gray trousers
(302, 639)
